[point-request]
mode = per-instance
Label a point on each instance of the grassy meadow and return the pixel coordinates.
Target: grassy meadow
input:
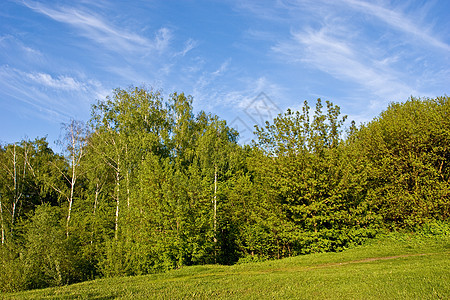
(395, 266)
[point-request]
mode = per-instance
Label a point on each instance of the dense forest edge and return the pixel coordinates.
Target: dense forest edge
(148, 186)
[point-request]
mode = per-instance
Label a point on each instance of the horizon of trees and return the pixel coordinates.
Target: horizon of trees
(147, 186)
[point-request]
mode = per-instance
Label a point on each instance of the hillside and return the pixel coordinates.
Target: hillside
(400, 266)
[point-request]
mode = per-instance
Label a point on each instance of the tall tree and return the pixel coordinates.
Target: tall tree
(300, 167)
(128, 129)
(406, 150)
(75, 142)
(216, 146)
(24, 179)
(16, 167)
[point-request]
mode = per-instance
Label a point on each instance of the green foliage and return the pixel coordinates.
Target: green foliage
(50, 257)
(162, 163)
(12, 269)
(406, 154)
(434, 228)
(153, 187)
(307, 172)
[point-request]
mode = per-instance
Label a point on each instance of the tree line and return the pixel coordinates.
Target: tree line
(147, 186)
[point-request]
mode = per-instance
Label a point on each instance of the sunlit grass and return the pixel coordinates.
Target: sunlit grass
(392, 267)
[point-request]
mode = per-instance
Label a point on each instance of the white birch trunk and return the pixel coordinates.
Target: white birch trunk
(77, 143)
(13, 215)
(16, 189)
(215, 204)
(128, 178)
(72, 186)
(95, 209)
(116, 229)
(13, 212)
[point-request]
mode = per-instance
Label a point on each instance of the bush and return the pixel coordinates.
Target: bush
(12, 277)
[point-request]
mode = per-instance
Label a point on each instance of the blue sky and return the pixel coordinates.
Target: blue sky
(245, 61)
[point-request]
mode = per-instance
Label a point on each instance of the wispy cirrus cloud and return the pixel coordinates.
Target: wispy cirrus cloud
(62, 82)
(44, 96)
(226, 87)
(11, 48)
(252, 87)
(19, 94)
(324, 50)
(132, 53)
(336, 39)
(208, 85)
(253, 104)
(209, 77)
(188, 46)
(94, 27)
(162, 39)
(416, 24)
(387, 64)
(399, 21)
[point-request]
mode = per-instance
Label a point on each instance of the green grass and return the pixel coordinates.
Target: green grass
(390, 267)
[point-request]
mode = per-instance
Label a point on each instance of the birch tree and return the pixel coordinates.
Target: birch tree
(215, 147)
(75, 140)
(16, 182)
(126, 127)
(25, 180)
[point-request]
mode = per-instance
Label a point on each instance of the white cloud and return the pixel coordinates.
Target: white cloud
(345, 60)
(62, 82)
(399, 21)
(11, 47)
(249, 95)
(125, 51)
(188, 46)
(17, 89)
(223, 67)
(213, 89)
(42, 96)
(162, 40)
(208, 77)
(337, 38)
(31, 51)
(94, 27)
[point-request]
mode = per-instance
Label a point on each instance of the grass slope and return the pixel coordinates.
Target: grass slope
(390, 267)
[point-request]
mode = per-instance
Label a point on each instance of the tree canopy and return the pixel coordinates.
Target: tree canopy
(147, 185)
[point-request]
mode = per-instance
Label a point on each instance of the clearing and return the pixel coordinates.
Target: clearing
(396, 266)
